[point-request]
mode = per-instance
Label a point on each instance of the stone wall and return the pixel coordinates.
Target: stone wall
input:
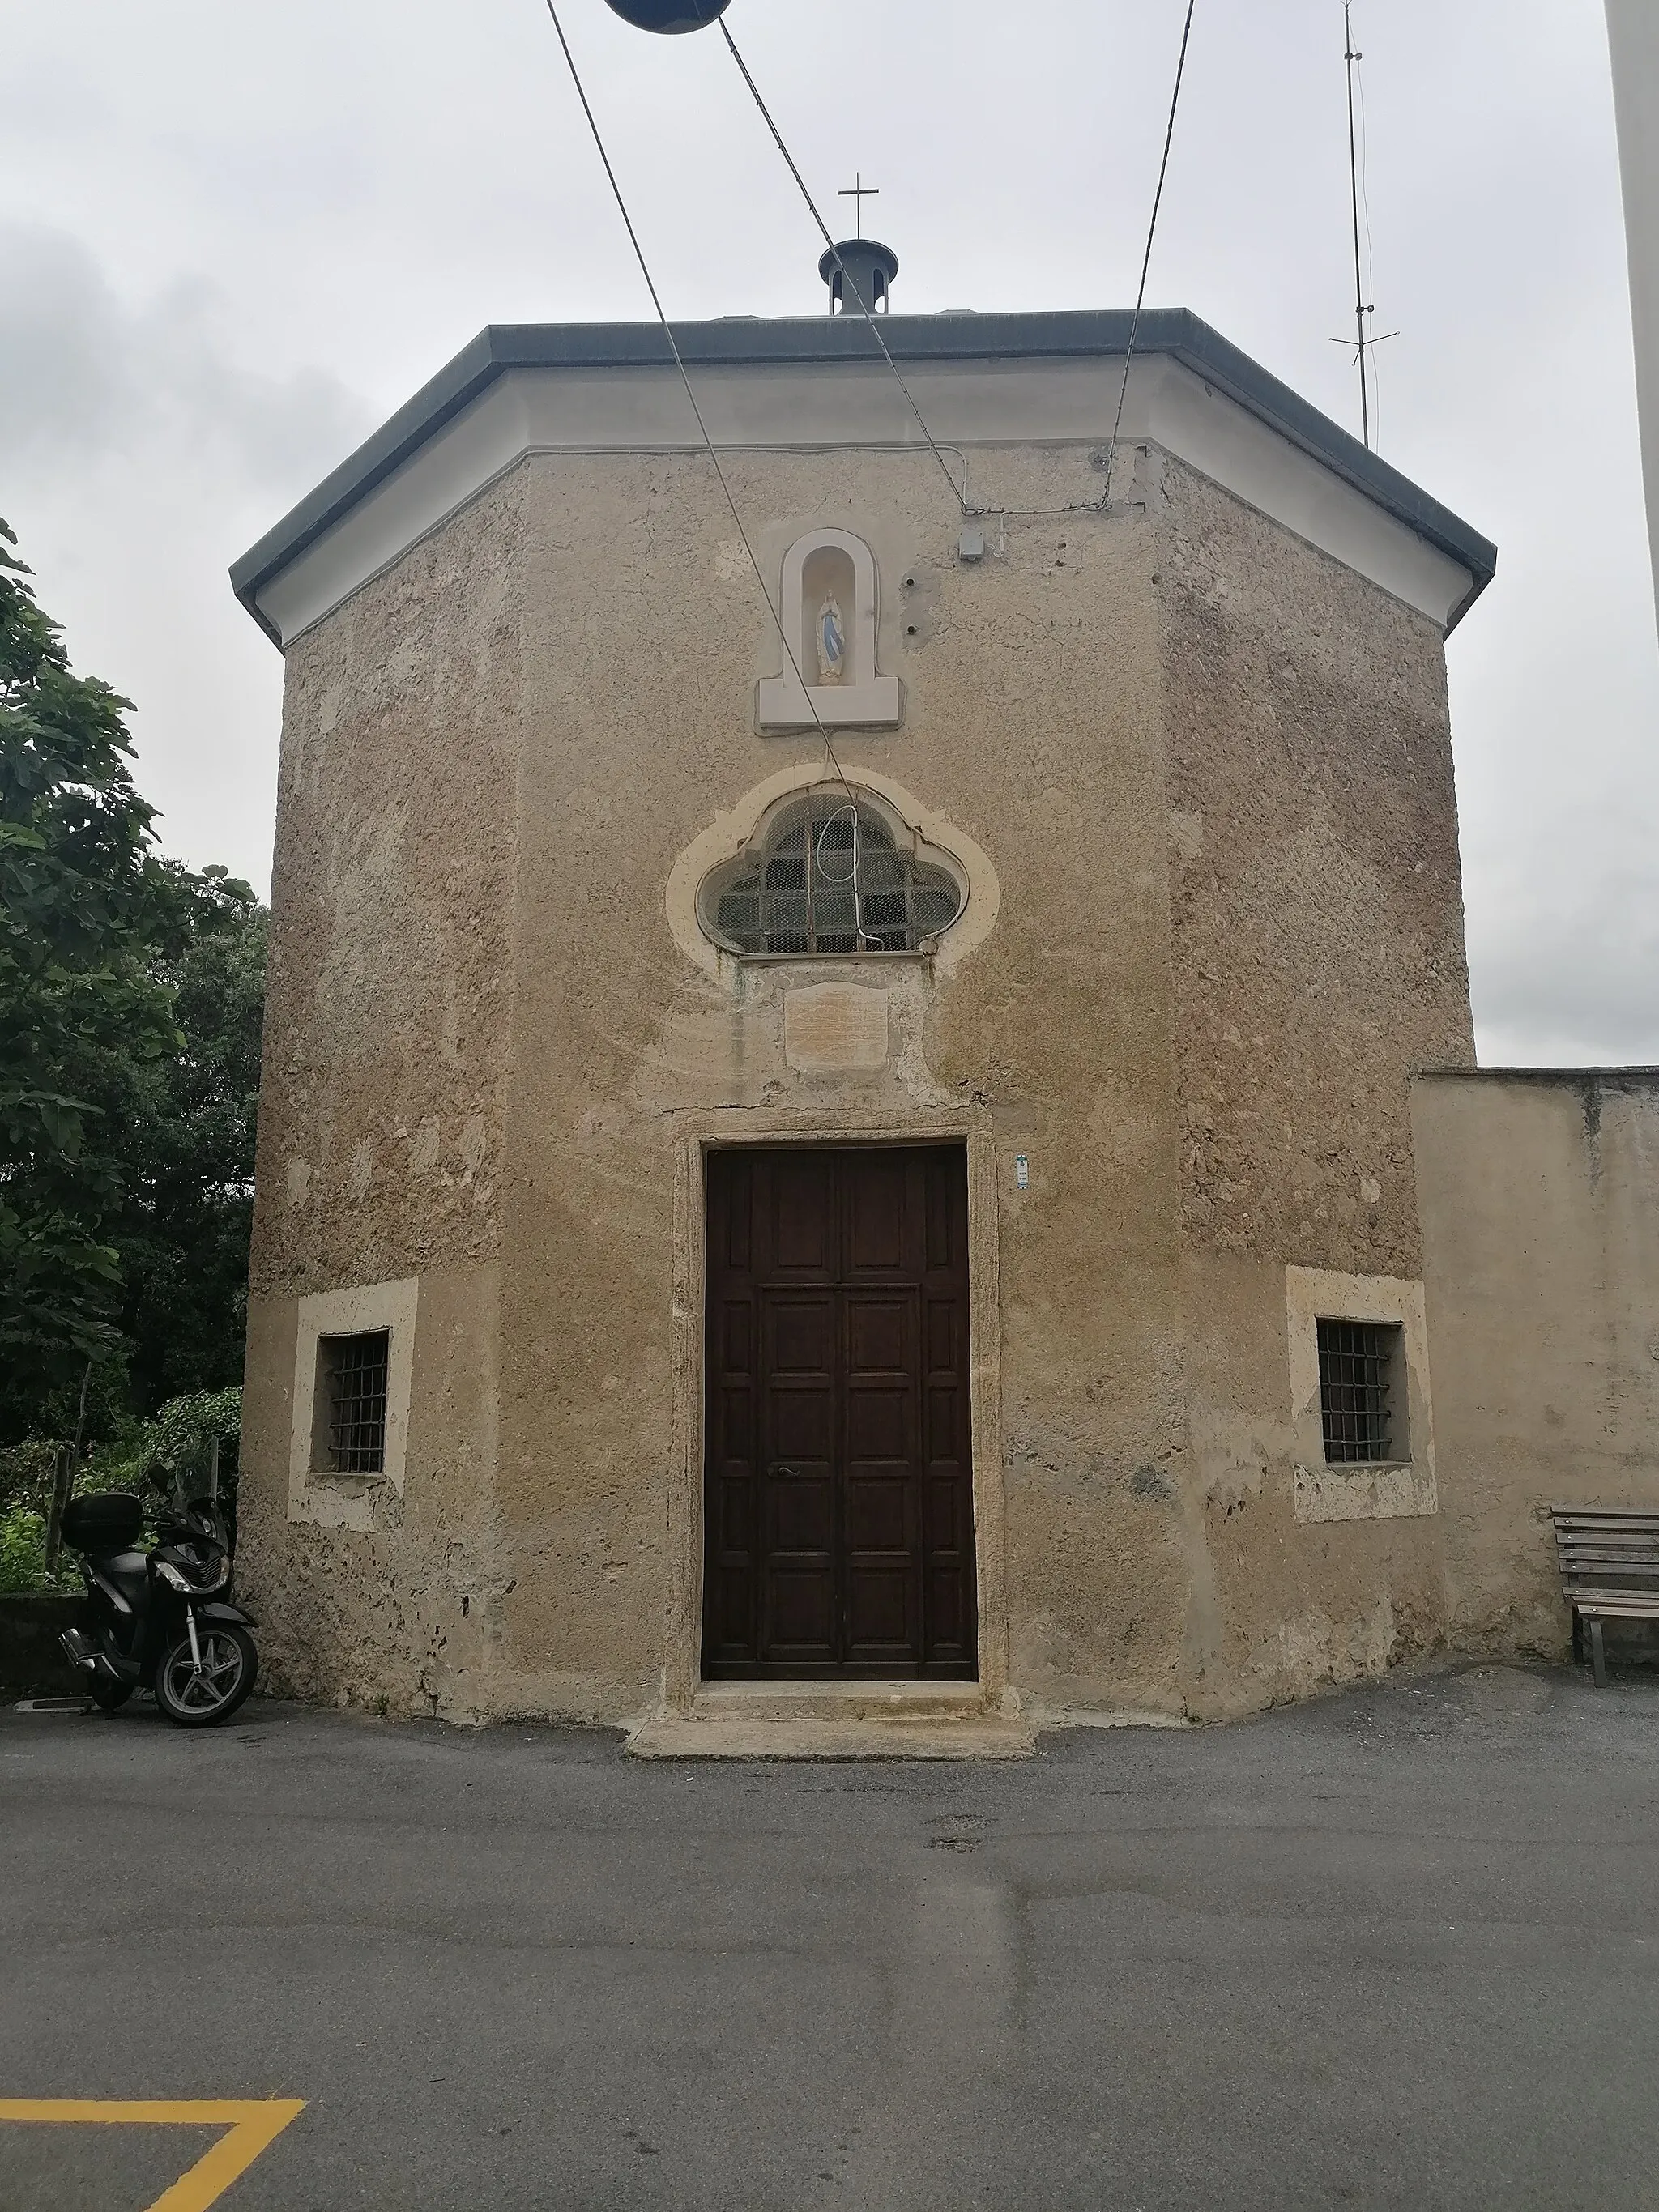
(1032, 730)
(33, 1664)
(1317, 953)
(382, 1107)
(1207, 772)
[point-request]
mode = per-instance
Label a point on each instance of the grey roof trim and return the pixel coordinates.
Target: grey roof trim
(1612, 1079)
(745, 341)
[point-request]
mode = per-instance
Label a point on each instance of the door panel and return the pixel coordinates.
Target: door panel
(838, 1481)
(800, 1217)
(876, 1214)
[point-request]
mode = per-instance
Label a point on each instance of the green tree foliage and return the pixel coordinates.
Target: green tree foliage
(81, 896)
(182, 1230)
(131, 993)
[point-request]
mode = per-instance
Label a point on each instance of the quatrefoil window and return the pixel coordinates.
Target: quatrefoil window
(831, 874)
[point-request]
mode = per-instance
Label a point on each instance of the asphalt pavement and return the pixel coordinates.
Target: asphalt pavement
(1396, 1948)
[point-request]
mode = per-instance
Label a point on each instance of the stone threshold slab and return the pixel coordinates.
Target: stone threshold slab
(740, 1735)
(832, 1700)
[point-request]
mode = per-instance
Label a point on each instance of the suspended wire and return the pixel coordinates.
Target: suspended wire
(960, 498)
(709, 443)
(842, 882)
(1146, 259)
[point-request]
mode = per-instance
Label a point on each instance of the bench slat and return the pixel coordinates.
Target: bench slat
(1609, 1560)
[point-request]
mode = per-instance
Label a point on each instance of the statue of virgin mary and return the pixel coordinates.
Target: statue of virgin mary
(832, 643)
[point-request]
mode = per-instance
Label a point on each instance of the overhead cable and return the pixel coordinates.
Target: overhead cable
(709, 443)
(1146, 259)
(824, 229)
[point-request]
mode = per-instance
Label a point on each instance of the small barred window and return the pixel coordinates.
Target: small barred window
(1359, 1363)
(354, 1369)
(829, 876)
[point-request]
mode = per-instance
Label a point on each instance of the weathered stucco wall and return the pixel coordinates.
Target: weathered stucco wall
(1540, 1193)
(1316, 953)
(1210, 772)
(381, 1122)
(1031, 725)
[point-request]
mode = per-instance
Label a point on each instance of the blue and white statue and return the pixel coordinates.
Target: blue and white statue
(832, 643)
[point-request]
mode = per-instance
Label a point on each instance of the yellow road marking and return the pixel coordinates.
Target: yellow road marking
(253, 2126)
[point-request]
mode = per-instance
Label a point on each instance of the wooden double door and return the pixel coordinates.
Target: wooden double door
(838, 1473)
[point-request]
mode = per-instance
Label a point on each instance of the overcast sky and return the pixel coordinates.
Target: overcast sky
(234, 239)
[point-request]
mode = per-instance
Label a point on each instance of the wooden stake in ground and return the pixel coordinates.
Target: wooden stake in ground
(63, 1486)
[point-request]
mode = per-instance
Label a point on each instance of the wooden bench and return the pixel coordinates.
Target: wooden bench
(1609, 1560)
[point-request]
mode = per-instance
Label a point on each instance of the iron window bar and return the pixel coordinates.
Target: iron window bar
(1356, 1359)
(358, 1367)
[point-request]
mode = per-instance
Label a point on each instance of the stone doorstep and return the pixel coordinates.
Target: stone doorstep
(834, 1720)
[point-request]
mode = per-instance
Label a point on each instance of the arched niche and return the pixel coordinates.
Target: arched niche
(830, 584)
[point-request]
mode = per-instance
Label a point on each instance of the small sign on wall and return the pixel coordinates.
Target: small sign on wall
(1022, 1172)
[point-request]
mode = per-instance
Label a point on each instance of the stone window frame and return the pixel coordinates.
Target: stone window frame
(725, 837)
(1358, 1491)
(318, 1494)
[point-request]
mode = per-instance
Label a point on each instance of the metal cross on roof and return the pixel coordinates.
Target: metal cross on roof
(858, 193)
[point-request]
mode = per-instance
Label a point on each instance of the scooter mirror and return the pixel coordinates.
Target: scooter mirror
(670, 17)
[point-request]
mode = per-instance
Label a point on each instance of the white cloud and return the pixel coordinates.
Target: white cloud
(138, 455)
(236, 228)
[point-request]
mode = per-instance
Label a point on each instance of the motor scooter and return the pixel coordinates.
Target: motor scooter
(160, 1619)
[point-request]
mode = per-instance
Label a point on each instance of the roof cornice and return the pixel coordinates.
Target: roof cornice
(742, 341)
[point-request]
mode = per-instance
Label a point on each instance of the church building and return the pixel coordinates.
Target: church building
(870, 1108)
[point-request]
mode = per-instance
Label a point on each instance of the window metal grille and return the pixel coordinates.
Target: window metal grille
(812, 889)
(1355, 1366)
(357, 1368)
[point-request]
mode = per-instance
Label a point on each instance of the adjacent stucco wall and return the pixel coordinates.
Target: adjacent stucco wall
(1207, 770)
(382, 1128)
(1539, 1194)
(1633, 32)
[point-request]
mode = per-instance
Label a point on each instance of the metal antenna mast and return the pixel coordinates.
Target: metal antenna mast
(1360, 309)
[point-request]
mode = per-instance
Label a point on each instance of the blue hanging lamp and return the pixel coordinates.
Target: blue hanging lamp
(670, 17)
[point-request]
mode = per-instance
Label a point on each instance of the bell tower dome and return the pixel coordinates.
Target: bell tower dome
(858, 269)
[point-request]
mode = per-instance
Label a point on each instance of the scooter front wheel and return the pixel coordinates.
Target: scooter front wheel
(193, 1697)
